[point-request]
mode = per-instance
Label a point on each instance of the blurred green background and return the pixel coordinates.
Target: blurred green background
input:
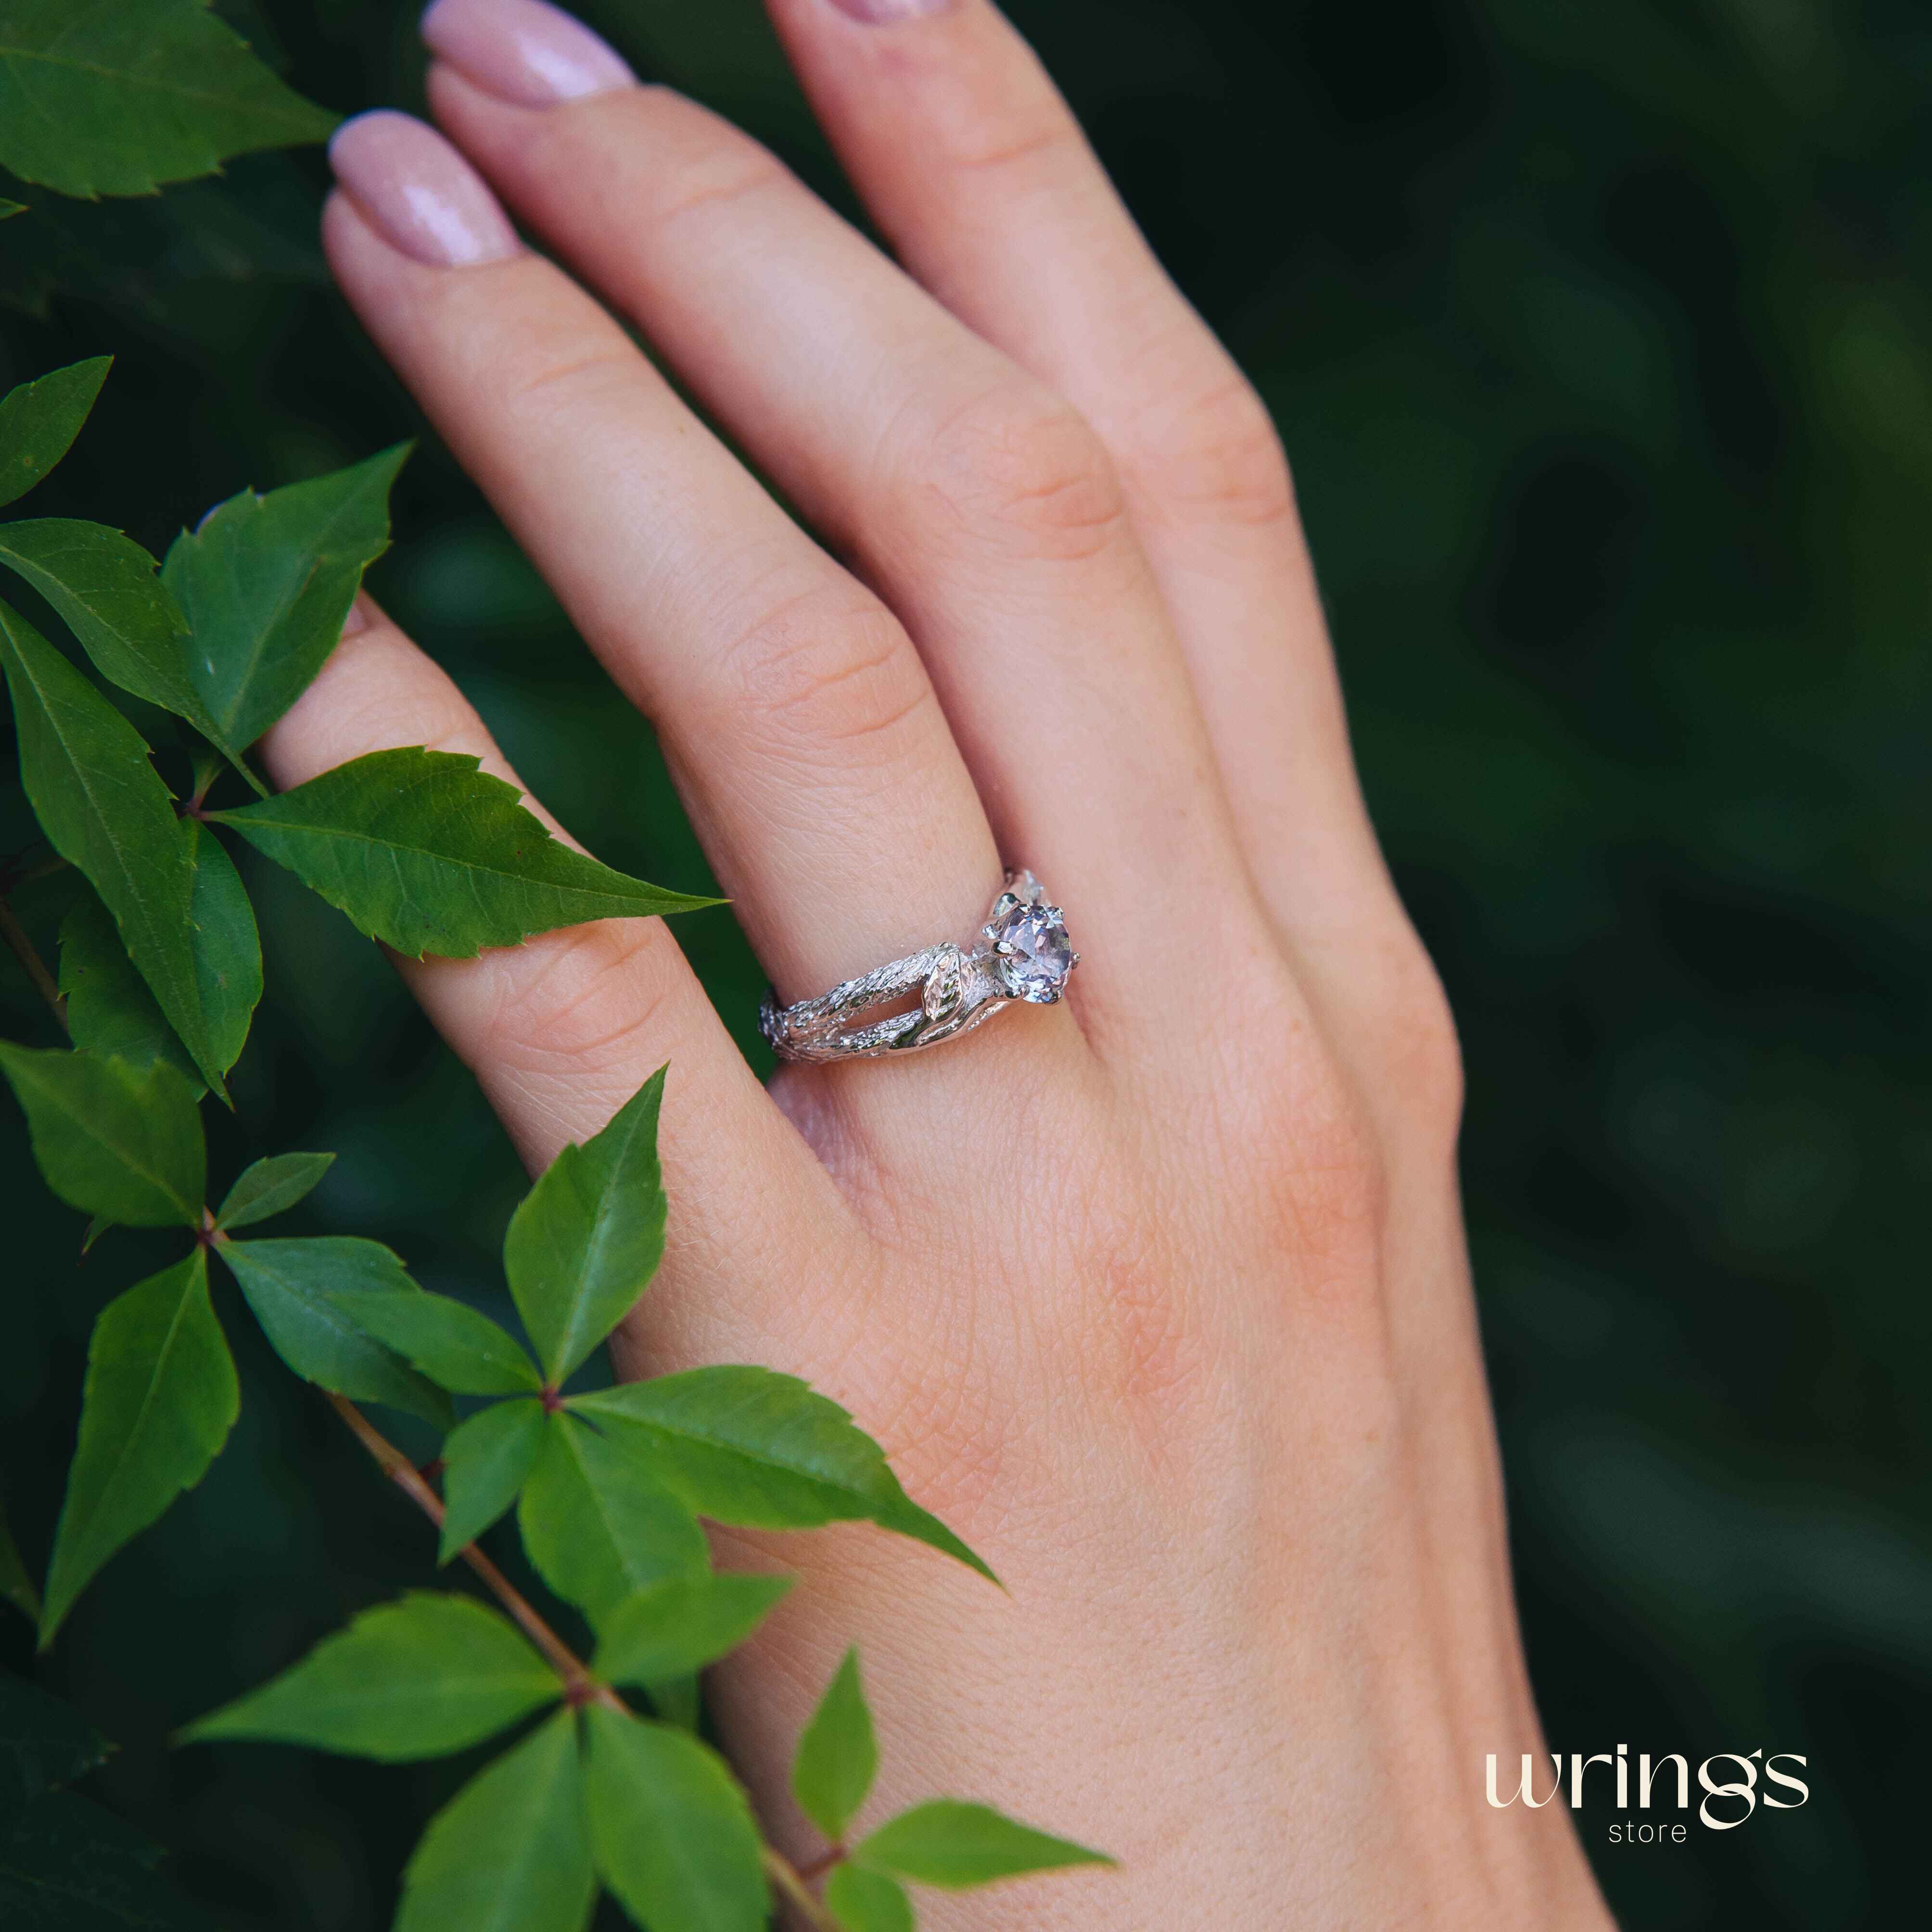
(1601, 339)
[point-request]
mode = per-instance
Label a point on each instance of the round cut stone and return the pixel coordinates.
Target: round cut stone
(1034, 952)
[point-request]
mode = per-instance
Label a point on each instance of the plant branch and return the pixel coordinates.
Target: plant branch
(785, 1875)
(22, 949)
(408, 1478)
(582, 1687)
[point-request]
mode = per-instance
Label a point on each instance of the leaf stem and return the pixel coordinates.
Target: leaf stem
(582, 1687)
(22, 949)
(409, 1479)
(785, 1875)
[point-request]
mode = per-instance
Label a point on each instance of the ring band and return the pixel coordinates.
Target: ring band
(1022, 953)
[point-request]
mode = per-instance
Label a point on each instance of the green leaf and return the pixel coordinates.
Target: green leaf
(66, 1865)
(110, 1009)
(104, 585)
(227, 947)
(298, 1289)
(486, 1462)
(44, 1743)
(511, 1851)
(867, 1901)
(838, 1755)
(265, 583)
(8, 209)
(456, 1347)
(110, 1013)
(97, 96)
(679, 1701)
(417, 1678)
(39, 420)
(86, 774)
(15, 1585)
(112, 1139)
(958, 1846)
(272, 1187)
(69, 1865)
(671, 1629)
(749, 1446)
(159, 1399)
(598, 1524)
(425, 852)
(585, 1240)
(671, 1832)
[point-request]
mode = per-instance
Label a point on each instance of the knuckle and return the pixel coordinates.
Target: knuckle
(593, 365)
(1416, 1044)
(1218, 454)
(373, 721)
(1020, 466)
(586, 1002)
(827, 671)
(651, 157)
(1329, 1194)
(1305, 1169)
(1033, 138)
(713, 178)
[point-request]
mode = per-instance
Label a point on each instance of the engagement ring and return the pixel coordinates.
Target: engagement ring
(1022, 953)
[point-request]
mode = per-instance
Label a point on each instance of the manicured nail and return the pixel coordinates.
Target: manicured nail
(524, 51)
(419, 191)
(882, 13)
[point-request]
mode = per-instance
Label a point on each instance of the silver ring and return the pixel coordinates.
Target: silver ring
(1022, 953)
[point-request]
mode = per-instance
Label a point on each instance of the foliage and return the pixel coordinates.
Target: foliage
(838, 1756)
(67, 1864)
(115, 97)
(265, 583)
(428, 854)
(160, 974)
(39, 421)
(1598, 340)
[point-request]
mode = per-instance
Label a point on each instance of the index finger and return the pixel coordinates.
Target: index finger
(562, 1030)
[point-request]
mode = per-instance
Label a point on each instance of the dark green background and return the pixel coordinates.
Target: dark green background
(1600, 338)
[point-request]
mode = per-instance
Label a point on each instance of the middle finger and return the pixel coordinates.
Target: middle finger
(795, 714)
(980, 503)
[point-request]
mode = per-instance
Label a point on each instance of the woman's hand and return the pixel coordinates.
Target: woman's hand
(1158, 1296)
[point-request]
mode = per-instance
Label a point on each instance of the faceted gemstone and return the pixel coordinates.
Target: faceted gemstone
(945, 986)
(1042, 955)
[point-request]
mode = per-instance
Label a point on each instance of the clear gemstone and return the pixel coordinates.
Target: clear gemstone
(945, 987)
(1035, 955)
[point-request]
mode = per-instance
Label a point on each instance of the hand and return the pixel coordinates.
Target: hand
(1158, 1296)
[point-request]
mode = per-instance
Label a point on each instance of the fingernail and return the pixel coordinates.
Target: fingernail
(361, 615)
(882, 13)
(419, 191)
(524, 51)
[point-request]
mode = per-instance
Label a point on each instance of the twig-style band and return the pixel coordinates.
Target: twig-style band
(1022, 953)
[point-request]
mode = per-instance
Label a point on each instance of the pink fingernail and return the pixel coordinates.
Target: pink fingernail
(882, 13)
(419, 191)
(524, 51)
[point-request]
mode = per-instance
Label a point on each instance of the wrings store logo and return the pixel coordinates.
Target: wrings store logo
(1728, 1802)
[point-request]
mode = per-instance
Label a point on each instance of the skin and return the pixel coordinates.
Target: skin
(1159, 1297)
